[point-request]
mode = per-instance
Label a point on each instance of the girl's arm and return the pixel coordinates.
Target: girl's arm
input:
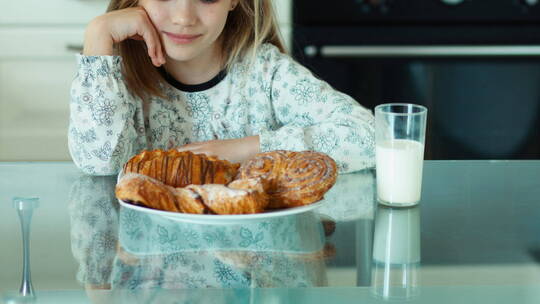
(116, 26)
(313, 116)
(106, 125)
(236, 150)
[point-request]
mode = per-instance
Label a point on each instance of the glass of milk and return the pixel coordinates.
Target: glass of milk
(400, 130)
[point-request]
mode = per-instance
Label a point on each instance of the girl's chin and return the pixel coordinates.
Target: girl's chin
(181, 56)
(185, 53)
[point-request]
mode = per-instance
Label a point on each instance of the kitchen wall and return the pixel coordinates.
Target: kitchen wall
(39, 40)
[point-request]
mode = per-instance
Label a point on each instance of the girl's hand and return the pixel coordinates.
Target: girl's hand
(116, 26)
(234, 150)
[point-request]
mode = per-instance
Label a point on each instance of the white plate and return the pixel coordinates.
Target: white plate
(232, 219)
(214, 219)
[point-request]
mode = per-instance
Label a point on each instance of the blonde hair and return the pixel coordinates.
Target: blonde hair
(251, 24)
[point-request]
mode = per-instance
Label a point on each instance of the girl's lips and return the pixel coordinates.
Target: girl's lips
(182, 38)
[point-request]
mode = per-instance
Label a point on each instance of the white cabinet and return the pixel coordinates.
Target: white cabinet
(38, 42)
(36, 70)
(284, 16)
(50, 12)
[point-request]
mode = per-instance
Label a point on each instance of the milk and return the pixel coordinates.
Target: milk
(399, 171)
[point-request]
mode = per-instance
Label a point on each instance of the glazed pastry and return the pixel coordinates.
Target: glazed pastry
(267, 166)
(294, 178)
(308, 177)
(179, 169)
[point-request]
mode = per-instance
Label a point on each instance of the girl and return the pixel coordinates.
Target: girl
(208, 76)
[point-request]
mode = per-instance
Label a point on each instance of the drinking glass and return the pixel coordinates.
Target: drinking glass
(400, 130)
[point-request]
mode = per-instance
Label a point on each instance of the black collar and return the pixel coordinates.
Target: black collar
(193, 87)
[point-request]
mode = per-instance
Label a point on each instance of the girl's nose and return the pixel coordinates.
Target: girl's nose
(184, 13)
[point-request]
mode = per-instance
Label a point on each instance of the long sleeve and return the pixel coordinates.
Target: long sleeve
(311, 115)
(106, 124)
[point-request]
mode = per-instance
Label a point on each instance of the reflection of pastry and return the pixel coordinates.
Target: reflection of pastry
(179, 169)
(293, 178)
(198, 199)
(328, 223)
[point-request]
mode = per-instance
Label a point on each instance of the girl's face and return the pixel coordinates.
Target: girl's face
(188, 28)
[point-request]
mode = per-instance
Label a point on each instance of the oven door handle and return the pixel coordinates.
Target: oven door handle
(385, 51)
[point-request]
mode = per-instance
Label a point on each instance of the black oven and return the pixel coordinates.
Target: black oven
(474, 63)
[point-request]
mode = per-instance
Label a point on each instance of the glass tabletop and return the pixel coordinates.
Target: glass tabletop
(475, 235)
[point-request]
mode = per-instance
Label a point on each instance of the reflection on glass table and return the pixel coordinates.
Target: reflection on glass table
(479, 236)
(118, 248)
(396, 253)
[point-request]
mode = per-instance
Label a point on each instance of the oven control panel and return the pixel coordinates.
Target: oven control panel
(530, 2)
(374, 6)
(452, 2)
(350, 12)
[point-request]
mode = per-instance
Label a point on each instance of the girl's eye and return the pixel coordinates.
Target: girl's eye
(209, 1)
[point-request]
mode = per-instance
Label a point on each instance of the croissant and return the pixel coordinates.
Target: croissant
(197, 199)
(149, 192)
(293, 178)
(227, 200)
(179, 169)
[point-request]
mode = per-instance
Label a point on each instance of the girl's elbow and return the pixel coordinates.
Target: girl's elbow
(91, 165)
(102, 169)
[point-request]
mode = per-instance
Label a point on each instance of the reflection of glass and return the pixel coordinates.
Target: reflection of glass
(400, 137)
(396, 253)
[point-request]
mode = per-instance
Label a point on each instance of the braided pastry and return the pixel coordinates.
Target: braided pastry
(179, 169)
(293, 178)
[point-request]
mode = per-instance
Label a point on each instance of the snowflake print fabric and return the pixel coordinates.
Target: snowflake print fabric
(275, 98)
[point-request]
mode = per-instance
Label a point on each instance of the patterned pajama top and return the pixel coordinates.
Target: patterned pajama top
(275, 98)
